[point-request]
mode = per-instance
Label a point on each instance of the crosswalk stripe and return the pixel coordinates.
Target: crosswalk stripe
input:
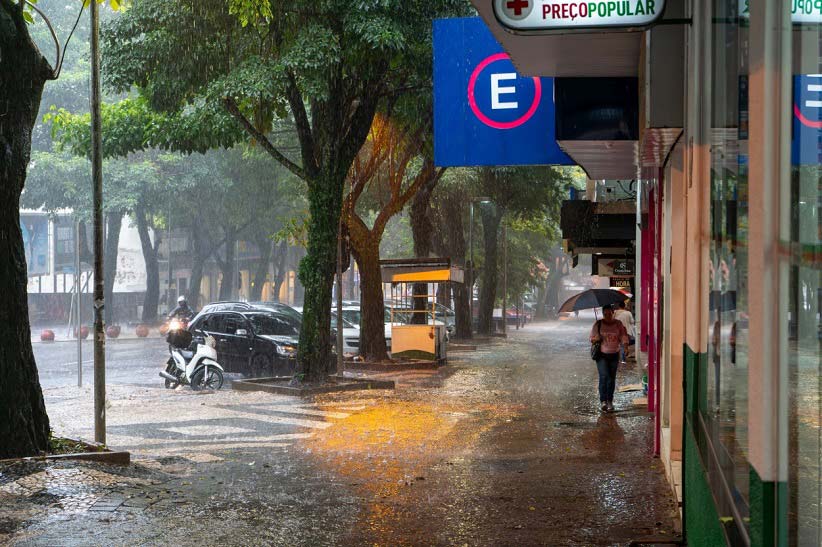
(263, 417)
(149, 442)
(231, 446)
(307, 411)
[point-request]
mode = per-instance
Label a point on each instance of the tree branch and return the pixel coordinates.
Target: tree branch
(55, 70)
(231, 105)
(295, 101)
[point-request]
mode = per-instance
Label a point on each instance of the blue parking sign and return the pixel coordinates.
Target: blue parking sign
(806, 144)
(484, 112)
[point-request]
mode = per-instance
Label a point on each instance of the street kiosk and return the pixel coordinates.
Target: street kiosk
(418, 339)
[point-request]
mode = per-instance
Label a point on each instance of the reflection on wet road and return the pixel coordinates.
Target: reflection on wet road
(505, 446)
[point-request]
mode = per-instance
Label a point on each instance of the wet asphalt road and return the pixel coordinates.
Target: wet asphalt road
(503, 447)
(128, 361)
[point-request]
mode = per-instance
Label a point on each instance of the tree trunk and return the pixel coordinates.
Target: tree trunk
(261, 273)
(114, 223)
(449, 240)
(24, 424)
(199, 256)
(421, 230)
(151, 300)
(280, 262)
(491, 218)
(372, 331)
(542, 296)
(317, 269)
(227, 266)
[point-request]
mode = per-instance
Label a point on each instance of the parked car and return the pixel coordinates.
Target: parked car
(444, 316)
(351, 333)
(252, 341)
(353, 314)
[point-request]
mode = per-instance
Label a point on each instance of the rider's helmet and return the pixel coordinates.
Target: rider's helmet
(181, 299)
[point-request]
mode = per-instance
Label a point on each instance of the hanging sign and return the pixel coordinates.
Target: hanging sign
(570, 14)
(806, 141)
(485, 113)
(608, 267)
(802, 11)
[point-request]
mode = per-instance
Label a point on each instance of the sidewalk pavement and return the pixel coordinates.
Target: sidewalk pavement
(504, 446)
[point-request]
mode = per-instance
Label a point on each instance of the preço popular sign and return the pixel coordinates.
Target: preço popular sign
(485, 113)
(569, 14)
(802, 11)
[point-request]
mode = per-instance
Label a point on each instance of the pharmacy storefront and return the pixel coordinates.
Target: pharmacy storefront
(728, 159)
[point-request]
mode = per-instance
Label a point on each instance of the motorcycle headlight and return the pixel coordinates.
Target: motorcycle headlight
(211, 342)
(286, 351)
(174, 325)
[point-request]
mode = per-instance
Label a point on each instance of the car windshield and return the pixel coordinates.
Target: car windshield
(346, 323)
(274, 324)
(352, 316)
(282, 309)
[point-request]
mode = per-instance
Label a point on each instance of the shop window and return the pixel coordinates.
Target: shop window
(723, 422)
(801, 249)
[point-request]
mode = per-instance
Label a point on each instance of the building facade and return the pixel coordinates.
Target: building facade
(727, 158)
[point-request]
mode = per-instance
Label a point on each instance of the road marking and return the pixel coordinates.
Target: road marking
(262, 416)
(307, 411)
(233, 446)
(147, 442)
(207, 430)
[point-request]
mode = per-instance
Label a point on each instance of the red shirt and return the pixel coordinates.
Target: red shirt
(611, 334)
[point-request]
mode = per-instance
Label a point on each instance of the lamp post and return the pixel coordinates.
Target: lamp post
(505, 280)
(471, 257)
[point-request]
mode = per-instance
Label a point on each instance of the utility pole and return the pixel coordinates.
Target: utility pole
(471, 266)
(168, 245)
(340, 360)
(97, 179)
(504, 279)
(78, 324)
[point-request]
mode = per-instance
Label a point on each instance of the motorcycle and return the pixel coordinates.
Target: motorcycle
(198, 368)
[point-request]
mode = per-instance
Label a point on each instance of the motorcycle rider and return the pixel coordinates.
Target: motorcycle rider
(182, 311)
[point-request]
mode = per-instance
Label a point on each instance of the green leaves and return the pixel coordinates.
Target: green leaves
(252, 12)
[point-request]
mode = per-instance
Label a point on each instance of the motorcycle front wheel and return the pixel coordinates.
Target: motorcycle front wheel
(169, 383)
(212, 380)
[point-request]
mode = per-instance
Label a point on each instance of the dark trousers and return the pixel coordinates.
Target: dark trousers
(607, 368)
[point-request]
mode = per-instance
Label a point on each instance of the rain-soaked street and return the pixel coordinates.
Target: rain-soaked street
(505, 446)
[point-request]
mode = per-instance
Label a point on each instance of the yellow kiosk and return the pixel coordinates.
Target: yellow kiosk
(418, 339)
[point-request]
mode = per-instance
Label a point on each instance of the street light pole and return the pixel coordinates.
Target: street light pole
(78, 301)
(504, 279)
(340, 360)
(78, 293)
(97, 178)
(471, 267)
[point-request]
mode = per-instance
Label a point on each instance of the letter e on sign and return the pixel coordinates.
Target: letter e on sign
(496, 91)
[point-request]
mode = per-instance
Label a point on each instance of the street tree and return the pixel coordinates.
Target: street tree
(388, 171)
(522, 192)
(327, 65)
(446, 217)
(24, 71)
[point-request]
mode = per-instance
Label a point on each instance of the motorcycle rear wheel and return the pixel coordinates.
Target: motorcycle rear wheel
(214, 379)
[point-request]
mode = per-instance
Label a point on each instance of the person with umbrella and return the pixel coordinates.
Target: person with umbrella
(609, 333)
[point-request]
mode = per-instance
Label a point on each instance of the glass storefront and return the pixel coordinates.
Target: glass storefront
(724, 410)
(800, 241)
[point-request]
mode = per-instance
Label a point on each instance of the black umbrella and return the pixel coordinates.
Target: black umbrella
(593, 298)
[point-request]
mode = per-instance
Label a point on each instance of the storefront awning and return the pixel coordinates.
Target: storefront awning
(420, 270)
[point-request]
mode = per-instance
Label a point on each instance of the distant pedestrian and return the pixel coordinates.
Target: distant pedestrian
(609, 333)
(625, 317)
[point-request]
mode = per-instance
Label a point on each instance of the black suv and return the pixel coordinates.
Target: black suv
(254, 341)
